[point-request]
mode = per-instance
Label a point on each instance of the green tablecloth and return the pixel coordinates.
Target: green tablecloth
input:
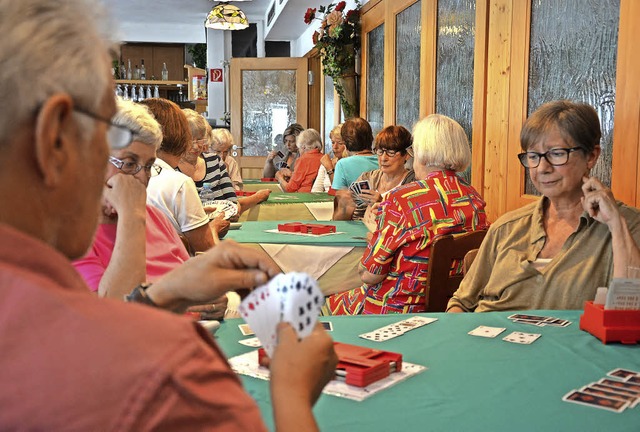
(472, 383)
(297, 197)
(254, 232)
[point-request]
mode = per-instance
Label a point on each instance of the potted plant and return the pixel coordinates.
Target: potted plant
(338, 40)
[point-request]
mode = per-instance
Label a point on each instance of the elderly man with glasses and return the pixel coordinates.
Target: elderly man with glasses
(555, 252)
(99, 364)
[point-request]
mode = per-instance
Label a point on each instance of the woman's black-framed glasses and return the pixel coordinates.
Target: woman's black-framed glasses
(117, 136)
(555, 157)
(390, 153)
(133, 168)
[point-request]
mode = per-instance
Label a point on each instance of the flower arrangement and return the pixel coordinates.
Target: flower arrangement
(337, 40)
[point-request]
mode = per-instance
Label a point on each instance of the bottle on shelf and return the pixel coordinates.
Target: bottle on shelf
(125, 93)
(136, 73)
(143, 71)
(134, 95)
(123, 70)
(206, 193)
(129, 71)
(165, 72)
(148, 94)
(156, 91)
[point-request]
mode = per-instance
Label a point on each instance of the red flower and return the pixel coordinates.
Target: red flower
(315, 37)
(352, 15)
(309, 15)
(340, 6)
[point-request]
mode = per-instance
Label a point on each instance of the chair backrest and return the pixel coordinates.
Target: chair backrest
(445, 251)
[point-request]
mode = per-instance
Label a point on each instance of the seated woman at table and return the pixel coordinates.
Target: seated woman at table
(173, 192)
(390, 146)
(395, 264)
(554, 252)
(220, 142)
(202, 166)
(289, 137)
(135, 241)
(309, 144)
(326, 170)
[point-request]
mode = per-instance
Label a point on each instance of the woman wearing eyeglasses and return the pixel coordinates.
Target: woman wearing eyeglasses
(394, 267)
(390, 146)
(555, 252)
(134, 242)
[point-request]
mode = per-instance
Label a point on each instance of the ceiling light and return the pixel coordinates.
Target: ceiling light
(225, 16)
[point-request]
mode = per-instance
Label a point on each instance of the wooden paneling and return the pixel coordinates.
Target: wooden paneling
(373, 14)
(479, 95)
(625, 179)
(316, 101)
(428, 58)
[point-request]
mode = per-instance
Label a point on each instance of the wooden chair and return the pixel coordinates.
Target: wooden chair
(444, 251)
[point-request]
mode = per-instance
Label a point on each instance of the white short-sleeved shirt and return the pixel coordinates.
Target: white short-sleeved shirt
(175, 194)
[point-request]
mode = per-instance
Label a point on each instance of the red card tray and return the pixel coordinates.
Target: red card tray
(360, 366)
(611, 325)
(306, 228)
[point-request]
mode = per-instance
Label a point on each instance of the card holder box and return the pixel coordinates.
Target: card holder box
(611, 325)
(244, 193)
(360, 365)
(268, 179)
(363, 366)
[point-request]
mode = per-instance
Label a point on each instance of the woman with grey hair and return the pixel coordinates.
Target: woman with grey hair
(202, 166)
(135, 242)
(309, 145)
(395, 264)
(220, 142)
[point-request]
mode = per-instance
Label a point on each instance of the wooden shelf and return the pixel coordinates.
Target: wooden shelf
(152, 82)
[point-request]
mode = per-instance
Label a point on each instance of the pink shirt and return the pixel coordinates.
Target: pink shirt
(165, 250)
(73, 361)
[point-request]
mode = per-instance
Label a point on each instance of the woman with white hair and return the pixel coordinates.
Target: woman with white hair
(220, 141)
(309, 145)
(395, 263)
(135, 242)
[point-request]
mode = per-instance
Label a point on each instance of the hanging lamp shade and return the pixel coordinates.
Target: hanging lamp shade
(225, 16)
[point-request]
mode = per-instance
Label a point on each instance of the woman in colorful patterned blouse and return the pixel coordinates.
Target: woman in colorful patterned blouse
(394, 266)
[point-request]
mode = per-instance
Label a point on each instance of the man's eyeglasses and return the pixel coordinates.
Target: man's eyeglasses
(117, 136)
(390, 153)
(555, 157)
(133, 168)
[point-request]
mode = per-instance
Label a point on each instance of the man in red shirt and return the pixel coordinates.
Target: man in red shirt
(71, 360)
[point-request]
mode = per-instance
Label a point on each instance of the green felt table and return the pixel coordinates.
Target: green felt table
(472, 383)
(281, 205)
(253, 185)
(354, 233)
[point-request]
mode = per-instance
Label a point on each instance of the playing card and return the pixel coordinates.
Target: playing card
(611, 394)
(225, 207)
(526, 317)
(397, 329)
(364, 185)
(328, 325)
(595, 401)
(253, 342)
(302, 302)
(259, 312)
(522, 338)
(623, 374)
(485, 331)
(280, 154)
(614, 389)
(621, 385)
(245, 330)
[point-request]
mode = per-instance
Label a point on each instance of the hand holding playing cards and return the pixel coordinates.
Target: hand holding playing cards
(225, 267)
(300, 368)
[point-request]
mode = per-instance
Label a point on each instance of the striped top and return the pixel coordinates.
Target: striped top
(218, 177)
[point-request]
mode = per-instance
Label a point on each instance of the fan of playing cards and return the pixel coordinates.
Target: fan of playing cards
(356, 189)
(228, 208)
(292, 297)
